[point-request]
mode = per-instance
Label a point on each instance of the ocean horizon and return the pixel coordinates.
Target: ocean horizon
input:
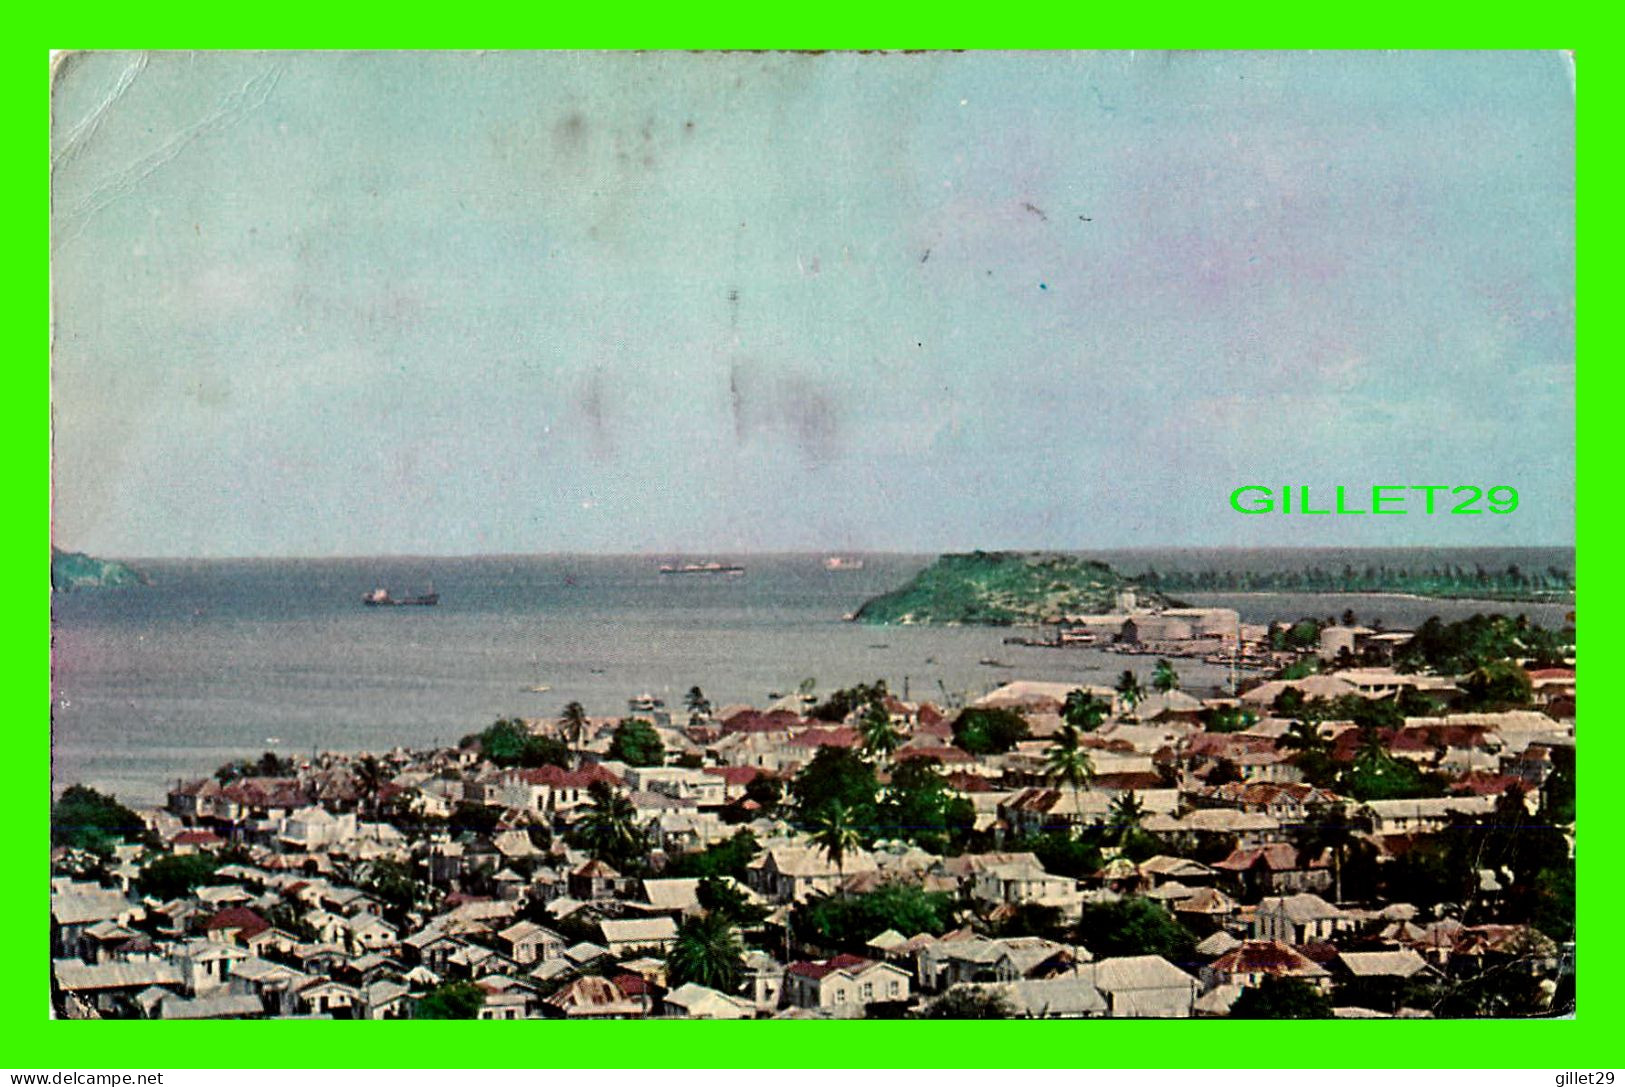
(222, 658)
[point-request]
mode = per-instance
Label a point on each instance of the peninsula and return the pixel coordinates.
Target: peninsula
(75, 570)
(1000, 588)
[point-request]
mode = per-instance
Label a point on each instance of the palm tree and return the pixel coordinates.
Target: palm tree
(1165, 679)
(1129, 689)
(609, 828)
(879, 738)
(574, 724)
(833, 832)
(1328, 827)
(1083, 711)
(1302, 735)
(696, 702)
(1068, 763)
(1124, 820)
(708, 952)
(370, 776)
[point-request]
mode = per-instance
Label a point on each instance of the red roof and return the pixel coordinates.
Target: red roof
(817, 970)
(734, 775)
(237, 917)
(756, 721)
(197, 837)
(633, 984)
(929, 715)
(967, 782)
(1482, 783)
(1551, 673)
(825, 737)
(940, 753)
(559, 778)
(1263, 957)
(1277, 857)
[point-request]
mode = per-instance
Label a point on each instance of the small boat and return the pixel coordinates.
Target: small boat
(380, 598)
(842, 562)
(538, 688)
(991, 663)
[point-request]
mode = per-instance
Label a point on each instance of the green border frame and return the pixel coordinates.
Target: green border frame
(33, 1041)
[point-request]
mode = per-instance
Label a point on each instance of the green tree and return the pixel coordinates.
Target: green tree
(454, 1000)
(1164, 678)
(1083, 711)
(1497, 685)
(879, 738)
(1134, 926)
(83, 818)
(833, 832)
(637, 744)
(1227, 719)
(609, 829)
(696, 703)
(727, 858)
(969, 1002)
(707, 952)
(1327, 827)
(842, 702)
(724, 897)
(1065, 853)
(1068, 763)
(511, 743)
(1129, 689)
(393, 884)
(920, 806)
(1281, 998)
(989, 731)
(849, 921)
(573, 724)
(835, 775)
(1123, 818)
(176, 875)
(371, 775)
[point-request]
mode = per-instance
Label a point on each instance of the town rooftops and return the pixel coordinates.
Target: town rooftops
(1301, 909)
(852, 964)
(1136, 972)
(1267, 957)
(1400, 964)
(85, 903)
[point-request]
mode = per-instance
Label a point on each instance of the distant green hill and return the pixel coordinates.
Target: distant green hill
(74, 570)
(999, 588)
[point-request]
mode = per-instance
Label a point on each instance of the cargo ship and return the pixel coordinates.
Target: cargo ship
(702, 568)
(380, 598)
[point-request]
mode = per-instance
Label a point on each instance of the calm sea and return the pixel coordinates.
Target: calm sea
(228, 658)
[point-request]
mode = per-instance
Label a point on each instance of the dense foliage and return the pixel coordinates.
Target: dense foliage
(1002, 587)
(454, 1000)
(510, 743)
(636, 743)
(727, 858)
(1512, 583)
(1134, 926)
(969, 1002)
(989, 731)
(836, 775)
(708, 952)
(175, 875)
(1469, 644)
(848, 922)
(1281, 998)
(842, 702)
(83, 818)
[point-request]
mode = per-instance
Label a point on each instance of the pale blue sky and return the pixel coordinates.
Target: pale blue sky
(349, 304)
